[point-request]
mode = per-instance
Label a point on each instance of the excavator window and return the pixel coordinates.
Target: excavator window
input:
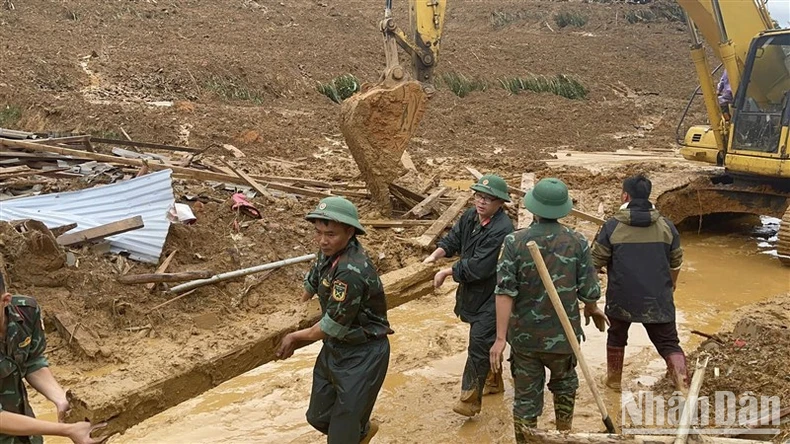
(760, 100)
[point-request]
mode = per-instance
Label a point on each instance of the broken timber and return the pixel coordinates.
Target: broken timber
(100, 232)
(72, 332)
(424, 207)
(90, 399)
(162, 268)
(255, 185)
(177, 170)
(441, 223)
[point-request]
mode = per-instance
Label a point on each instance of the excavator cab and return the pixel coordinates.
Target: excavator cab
(761, 102)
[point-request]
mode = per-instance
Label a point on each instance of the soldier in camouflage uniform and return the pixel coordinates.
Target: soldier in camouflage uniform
(526, 317)
(477, 239)
(22, 345)
(353, 361)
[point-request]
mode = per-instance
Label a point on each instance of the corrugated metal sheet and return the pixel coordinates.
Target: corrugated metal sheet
(149, 196)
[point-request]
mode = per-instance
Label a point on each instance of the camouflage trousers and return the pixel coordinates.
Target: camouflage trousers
(529, 376)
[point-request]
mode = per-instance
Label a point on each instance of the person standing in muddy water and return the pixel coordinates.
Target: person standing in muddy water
(477, 239)
(22, 346)
(353, 361)
(641, 252)
(525, 315)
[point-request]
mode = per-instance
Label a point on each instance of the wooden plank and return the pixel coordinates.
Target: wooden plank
(524, 216)
(405, 160)
(255, 185)
(233, 150)
(102, 231)
(74, 334)
(387, 223)
(65, 140)
(146, 145)
(424, 208)
(107, 398)
(154, 278)
(518, 192)
(191, 172)
(440, 224)
(57, 231)
(162, 267)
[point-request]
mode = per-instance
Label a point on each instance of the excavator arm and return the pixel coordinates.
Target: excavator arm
(379, 122)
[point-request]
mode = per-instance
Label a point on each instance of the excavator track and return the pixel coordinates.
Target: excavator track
(783, 243)
(716, 192)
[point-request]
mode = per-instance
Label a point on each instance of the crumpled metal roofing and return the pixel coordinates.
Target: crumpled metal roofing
(149, 196)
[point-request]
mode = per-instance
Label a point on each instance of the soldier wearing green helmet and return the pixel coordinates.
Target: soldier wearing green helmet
(477, 238)
(353, 361)
(526, 317)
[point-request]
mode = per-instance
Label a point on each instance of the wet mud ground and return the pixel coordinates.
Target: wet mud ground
(720, 274)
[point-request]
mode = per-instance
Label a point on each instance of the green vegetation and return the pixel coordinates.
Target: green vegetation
(9, 115)
(461, 85)
(501, 19)
(560, 85)
(340, 88)
(575, 19)
(232, 88)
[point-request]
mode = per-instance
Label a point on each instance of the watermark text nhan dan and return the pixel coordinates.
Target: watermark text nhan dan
(648, 413)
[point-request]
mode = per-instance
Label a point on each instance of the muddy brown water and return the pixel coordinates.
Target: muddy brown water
(720, 274)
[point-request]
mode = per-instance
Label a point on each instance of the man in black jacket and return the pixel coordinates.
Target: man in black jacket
(477, 238)
(641, 252)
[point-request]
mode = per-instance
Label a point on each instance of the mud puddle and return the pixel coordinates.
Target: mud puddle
(720, 274)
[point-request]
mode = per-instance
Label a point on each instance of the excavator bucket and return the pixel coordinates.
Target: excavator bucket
(377, 124)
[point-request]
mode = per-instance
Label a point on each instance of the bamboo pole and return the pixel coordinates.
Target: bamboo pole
(238, 273)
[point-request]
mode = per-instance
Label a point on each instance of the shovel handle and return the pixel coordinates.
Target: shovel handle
(534, 251)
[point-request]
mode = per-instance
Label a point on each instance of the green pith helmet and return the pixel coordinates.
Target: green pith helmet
(549, 199)
(492, 185)
(337, 209)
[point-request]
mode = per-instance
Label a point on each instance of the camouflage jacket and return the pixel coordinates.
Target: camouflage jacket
(352, 297)
(534, 325)
(640, 249)
(21, 352)
(475, 271)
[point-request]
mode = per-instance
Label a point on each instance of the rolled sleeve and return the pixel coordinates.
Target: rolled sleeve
(347, 291)
(507, 267)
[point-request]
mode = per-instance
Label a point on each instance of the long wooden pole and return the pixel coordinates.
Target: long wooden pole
(690, 406)
(238, 273)
(534, 251)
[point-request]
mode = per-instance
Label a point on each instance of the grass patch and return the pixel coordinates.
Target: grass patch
(560, 85)
(9, 115)
(232, 88)
(340, 88)
(501, 19)
(670, 12)
(574, 19)
(461, 85)
(640, 16)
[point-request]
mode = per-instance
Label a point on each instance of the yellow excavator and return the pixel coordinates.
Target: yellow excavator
(751, 146)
